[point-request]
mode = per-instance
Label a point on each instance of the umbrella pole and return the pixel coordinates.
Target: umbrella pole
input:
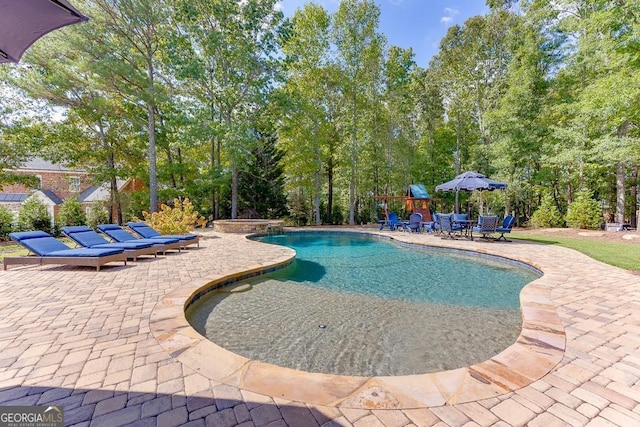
(457, 209)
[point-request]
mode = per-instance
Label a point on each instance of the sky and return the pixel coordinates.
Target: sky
(416, 24)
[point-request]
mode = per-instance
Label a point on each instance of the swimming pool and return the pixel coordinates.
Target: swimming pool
(359, 305)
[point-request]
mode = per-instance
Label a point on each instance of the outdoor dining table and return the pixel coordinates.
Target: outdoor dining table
(467, 226)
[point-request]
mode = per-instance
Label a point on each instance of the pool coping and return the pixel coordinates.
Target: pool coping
(538, 349)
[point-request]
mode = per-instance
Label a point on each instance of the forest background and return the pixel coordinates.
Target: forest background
(247, 113)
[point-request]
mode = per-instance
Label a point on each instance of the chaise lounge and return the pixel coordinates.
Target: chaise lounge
(119, 234)
(49, 250)
(88, 238)
(146, 232)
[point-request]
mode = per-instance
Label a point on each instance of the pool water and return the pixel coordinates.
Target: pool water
(356, 305)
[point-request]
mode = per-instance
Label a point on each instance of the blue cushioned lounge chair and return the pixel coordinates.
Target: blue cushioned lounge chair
(486, 225)
(88, 238)
(49, 250)
(506, 227)
(143, 230)
(119, 234)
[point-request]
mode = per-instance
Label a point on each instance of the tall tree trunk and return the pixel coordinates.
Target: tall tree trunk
(218, 196)
(634, 196)
(354, 169)
(115, 213)
(330, 189)
(174, 182)
(153, 180)
(213, 188)
(316, 197)
(116, 208)
(234, 190)
(151, 116)
(316, 179)
(620, 177)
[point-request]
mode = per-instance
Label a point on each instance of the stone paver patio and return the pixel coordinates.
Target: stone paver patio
(106, 346)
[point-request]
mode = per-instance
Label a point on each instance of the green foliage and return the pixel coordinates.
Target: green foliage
(177, 220)
(261, 182)
(584, 211)
(71, 213)
(6, 223)
(97, 214)
(529, 95)
(34, 216)
(547, 215)
(298, 208)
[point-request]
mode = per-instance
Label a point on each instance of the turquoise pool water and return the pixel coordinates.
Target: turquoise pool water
(358, 305)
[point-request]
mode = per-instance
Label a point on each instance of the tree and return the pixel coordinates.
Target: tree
(261, 185)
(307, 128)
(92, 133)
(130, 52)
(228, 50)
(359, 53)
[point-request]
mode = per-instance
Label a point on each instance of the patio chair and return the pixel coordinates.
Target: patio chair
(447, 227)
(88, 238)
(143, 230)
(486, 225)
(49, 250)
(435, 225)
(119, 234)
(392, 221)
(415, 223)
(507, 225)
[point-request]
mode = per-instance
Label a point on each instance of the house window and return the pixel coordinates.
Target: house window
(74, 183)
(39, 184)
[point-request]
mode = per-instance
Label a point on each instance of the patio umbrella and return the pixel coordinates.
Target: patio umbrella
(470, 181)
(22, 22)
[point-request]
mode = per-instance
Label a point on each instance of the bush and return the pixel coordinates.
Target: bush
(177, 220)
(584, 212)
(547, 214)
(34, 216)
(97, 214)
(6, 223)
(71, 213)
(298, 208)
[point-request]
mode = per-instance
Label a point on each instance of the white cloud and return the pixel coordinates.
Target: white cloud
(396, 2)
(449, 14)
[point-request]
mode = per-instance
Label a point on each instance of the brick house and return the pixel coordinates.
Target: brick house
(58, 183)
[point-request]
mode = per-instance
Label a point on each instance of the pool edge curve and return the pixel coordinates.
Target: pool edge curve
(537, 350)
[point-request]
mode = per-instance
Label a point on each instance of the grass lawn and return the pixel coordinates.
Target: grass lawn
(623, 254)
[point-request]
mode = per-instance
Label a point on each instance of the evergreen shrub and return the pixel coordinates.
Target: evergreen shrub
(97, 214)
(71, 213)
(584, 212)
(547, 215)
(6, 223)
(34, 216)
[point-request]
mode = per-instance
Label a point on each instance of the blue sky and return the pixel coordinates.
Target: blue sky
(419, 24)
